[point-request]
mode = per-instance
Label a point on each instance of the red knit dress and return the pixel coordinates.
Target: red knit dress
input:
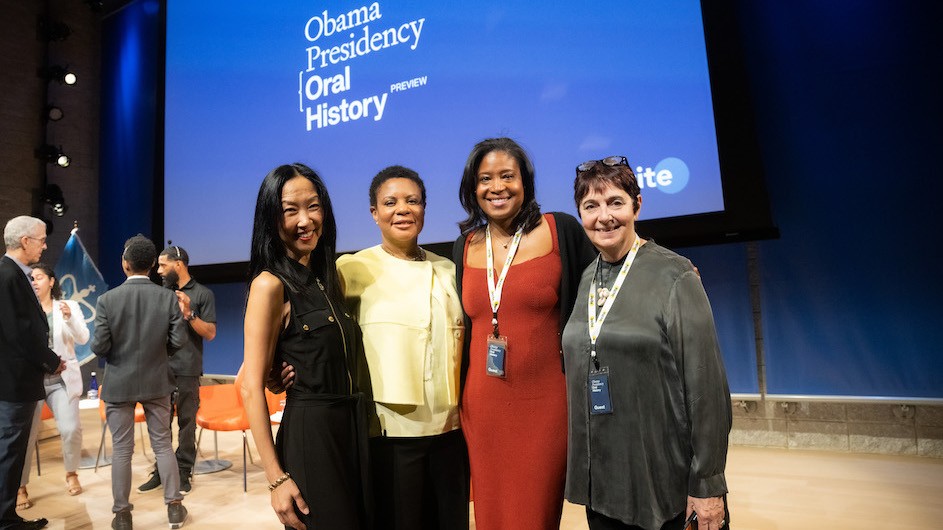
(516, 427)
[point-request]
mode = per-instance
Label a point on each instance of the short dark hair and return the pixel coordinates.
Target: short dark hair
(176, 253)
(395, 172)
(268, 250)
(528, 217)
(599, 175)
(140, 253)
(55, 291)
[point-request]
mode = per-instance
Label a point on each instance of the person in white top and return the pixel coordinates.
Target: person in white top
(67, 328)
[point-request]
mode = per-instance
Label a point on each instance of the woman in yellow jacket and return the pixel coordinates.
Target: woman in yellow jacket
(405, 300)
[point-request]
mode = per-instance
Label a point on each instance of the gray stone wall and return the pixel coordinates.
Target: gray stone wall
(883, 428)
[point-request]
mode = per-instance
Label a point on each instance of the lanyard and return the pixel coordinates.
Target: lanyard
(595, 322)
(494, 291)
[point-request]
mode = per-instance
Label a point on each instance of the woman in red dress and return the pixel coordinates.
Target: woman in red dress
(513, 409)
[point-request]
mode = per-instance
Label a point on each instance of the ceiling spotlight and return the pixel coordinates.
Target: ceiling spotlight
(53, 113)
(52, 30)
(96, 6)
(57, 73)
(53, 196)
(53, 155)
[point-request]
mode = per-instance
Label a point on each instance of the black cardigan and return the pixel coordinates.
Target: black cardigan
(576, 253)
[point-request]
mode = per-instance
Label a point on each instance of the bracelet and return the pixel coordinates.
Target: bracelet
(279, 481)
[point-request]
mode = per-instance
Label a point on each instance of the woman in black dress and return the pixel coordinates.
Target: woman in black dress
(317, 468)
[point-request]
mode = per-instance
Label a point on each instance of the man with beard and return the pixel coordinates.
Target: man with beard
(198, 306)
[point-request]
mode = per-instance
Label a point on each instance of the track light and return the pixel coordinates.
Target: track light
(53, 155)
(53, 196)
(63, 76)
(53, 113)
(52, 30)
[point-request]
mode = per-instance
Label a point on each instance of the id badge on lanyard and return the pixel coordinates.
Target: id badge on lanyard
(497, 344)
(497, 351)
(600, 400)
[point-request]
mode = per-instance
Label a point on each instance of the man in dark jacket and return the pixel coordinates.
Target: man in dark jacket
(25, 357)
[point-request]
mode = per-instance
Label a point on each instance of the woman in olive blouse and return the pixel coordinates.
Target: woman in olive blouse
(649, 405)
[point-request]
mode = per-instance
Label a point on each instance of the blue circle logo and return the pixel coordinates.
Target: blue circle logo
(672, 175)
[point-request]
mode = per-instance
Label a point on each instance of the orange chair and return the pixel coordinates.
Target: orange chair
(138, 418)
(221, 409)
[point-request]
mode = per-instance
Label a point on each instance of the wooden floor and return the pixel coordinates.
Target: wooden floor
(771, 489)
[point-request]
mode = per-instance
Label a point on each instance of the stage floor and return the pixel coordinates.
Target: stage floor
(771, 489)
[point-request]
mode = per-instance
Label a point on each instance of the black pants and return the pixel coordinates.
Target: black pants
(187, 402)
(16, 419)
(421, 483)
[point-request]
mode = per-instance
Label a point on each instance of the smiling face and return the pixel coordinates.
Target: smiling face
(399, 212)
(301, 219)
(608, 217)
(500, 189)
(42, 283)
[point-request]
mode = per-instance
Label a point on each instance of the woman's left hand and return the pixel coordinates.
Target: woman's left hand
(66, 310)
(710, 512)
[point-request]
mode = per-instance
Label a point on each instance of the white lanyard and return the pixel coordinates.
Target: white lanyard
(494, 291)
(595, 322)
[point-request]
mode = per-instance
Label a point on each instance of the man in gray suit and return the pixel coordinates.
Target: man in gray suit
(137, 326)
(198, 306)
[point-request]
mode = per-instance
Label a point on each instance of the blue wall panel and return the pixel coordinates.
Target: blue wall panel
(723, 271)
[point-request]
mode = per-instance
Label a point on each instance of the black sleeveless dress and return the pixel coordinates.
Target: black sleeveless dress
(322, 440)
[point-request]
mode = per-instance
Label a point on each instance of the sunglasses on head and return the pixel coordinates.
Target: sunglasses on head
(608, 161)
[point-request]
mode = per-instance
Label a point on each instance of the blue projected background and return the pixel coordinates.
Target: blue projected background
(349, 91)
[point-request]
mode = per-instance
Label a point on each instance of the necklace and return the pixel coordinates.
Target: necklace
(420, 255)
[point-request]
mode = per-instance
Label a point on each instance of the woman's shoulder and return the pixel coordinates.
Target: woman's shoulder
(367, 255)
(266, 282)
(440, 263)
(565, 221)
(668, 260)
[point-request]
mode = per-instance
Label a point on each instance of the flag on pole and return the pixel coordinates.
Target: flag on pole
(81, 282)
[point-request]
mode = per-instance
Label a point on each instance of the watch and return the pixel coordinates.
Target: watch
(192, 316)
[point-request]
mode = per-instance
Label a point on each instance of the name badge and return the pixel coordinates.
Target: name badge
(497, 349)
(599, 400)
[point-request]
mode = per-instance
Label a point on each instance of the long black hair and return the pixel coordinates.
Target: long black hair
(528, 217)
(268, 250)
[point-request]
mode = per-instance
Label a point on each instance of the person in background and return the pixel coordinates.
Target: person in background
(138, 325)
(318, 470)
(198, 307)
(405, 301)
(25, 356)
(63, 391)
(649, 405)
(517, 272)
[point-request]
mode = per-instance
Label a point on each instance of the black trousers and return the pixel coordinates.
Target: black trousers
(420, 483)
(187, 402)
(15, 421)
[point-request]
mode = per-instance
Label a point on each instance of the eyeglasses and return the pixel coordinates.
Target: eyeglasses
(42, 240)
(608, 161)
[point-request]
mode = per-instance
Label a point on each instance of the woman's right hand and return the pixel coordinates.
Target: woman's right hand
(284, 499)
